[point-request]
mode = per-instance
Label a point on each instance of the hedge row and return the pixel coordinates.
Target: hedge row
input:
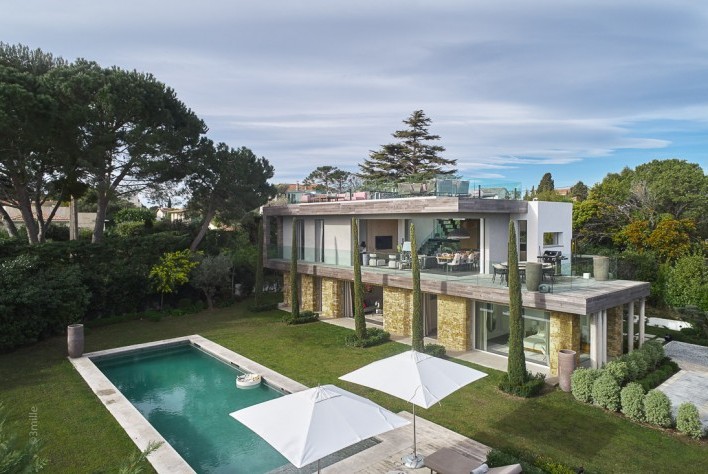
(622, 383)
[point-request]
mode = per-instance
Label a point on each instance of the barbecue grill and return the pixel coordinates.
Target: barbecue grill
(554, 257)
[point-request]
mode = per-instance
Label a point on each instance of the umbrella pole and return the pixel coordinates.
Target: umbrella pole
(318, 466)
(413, 461)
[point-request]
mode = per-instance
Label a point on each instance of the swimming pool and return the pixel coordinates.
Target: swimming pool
(187, 395)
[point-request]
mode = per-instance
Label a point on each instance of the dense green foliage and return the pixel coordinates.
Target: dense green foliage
(687, 282)
(417, 330)
(516, 367)
(372, 337)
(581, 383)
(304, 317)
(435, 350)
(16, 456)
(632, 401)
(619, 370)
(657, 409)
(411, 158)
(688, 421)
(359, 320)
(212, 276)
(532, 385)
(606, 392)
(37, 300)
(135, 214)
(172, 271)
(327, 179)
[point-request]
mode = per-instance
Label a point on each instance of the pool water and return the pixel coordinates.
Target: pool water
(187, 396)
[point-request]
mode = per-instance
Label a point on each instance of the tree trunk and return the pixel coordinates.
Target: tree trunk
(210, 301)
(101, 212)
(258, 293)
(73, 220)
(7, 222)
(25, 206)
(203, 229)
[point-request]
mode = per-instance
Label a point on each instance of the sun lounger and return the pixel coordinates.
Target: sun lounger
(449, 461)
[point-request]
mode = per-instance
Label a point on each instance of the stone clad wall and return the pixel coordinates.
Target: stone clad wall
(398, 308)
(332, 296)
(454, 322)
(614, 331)
(565, 334)
(308, 293)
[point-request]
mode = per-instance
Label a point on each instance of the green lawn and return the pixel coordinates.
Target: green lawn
(81, 436)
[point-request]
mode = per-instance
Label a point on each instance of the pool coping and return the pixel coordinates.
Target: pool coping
(165, 459)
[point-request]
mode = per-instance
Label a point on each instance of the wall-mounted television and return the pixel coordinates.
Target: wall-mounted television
(384, 242)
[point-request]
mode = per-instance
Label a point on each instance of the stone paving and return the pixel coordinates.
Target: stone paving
(691, 383)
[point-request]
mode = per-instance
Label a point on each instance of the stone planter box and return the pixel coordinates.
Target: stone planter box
(75, 340)
(566, 366)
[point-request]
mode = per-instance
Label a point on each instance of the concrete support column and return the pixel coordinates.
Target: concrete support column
(332, 298)
(454, 322)
(630, 327)
(603, 337)
(594, 343)
(398, 308)
(642, 322)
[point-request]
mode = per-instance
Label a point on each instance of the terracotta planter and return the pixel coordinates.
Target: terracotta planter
(566, 366)
(75, 340)
(534, 274)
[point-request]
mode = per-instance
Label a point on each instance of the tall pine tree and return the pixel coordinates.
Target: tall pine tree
(412, 158)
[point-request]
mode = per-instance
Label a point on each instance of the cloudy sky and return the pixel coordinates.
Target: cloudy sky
(514, 88)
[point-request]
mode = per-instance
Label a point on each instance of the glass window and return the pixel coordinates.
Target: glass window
(492, 331)
(551, 239)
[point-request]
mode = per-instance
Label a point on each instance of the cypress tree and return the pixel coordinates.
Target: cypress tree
(294, 290)
(258, 291)
(417, 329)
(359, 321)
(516, 368)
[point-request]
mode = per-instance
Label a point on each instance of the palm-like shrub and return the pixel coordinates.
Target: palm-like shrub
(657, 409)
(688, 421)
(581, 383)
(606, 392)
(632, 400)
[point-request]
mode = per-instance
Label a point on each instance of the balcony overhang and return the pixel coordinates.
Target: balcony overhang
(420, 205)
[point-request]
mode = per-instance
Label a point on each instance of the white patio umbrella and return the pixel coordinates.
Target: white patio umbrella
(418, 378)
(307, 426)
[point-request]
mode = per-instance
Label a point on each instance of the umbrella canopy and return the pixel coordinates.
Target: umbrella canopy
(418, 378)
(307, 426)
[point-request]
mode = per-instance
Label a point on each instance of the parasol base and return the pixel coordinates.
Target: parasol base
(413, 461)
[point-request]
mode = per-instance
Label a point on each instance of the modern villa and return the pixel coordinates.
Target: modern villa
(461, 238)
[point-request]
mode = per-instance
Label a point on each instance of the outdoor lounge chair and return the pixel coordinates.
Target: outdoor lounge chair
(449, 461)
(500, 270)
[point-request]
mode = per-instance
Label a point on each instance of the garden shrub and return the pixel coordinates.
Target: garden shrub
(374, 337)
(530, 462)
(303, 318)
(212, 276)
(657, 409)
(606, 392)
(130, 229)
(135, 214)
(262, 307)
(619, 370)
(531, 387)
(688, 421)
(655, 353)
(581, 383)
(38, 299)
(660, 375)
(641, 361)
(435, 350)
(632, 400)
(687, 282)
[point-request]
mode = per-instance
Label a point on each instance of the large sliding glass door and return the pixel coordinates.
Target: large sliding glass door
(492, 331)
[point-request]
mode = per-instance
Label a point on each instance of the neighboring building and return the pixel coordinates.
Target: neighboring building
(171, 214)
(465, 305)
(87, 220)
